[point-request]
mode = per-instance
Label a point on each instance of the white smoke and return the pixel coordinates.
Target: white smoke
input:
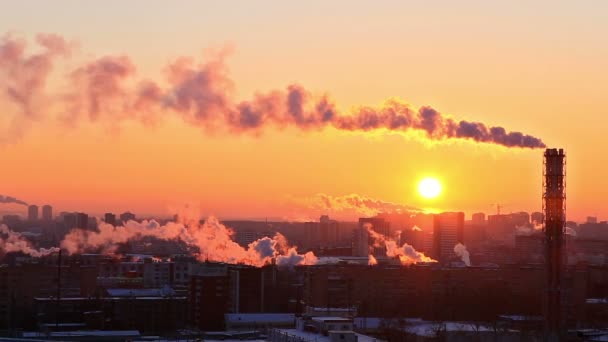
(212, 239)
(406, 253)
(570, 231)
(15, 242)
(292, 258)
(461, 251)
(371, 260)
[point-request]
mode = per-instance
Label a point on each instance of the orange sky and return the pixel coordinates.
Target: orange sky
(537, 69)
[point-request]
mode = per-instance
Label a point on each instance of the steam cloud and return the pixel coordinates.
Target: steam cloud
(461, 251)
(528, 229)
(360, 204)
(14, 242)
(8, 199)
(570, 231)
(371, 260)
(212, 239)
(406, 253)
(200, 95)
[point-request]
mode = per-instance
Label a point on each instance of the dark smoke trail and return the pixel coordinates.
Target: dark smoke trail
(8, 199)
(200, 95)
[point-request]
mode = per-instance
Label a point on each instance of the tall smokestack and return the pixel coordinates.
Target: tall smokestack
(554, 200)
(58, 299)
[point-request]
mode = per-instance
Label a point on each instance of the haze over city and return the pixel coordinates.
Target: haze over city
(525, 69)
(342, 171)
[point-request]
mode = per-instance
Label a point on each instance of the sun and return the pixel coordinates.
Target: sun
(429, 188)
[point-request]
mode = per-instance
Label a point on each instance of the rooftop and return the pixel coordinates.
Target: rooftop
(260, 317)
(85, 333)
(312, 337)
(331, 319)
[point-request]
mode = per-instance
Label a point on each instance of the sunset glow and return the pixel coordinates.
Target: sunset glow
(118, 119)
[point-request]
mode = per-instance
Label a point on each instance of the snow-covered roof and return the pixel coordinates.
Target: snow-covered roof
(87, 333)
(312, 337)
(331, 319)
(597, 301)
(260, 318)
(429, 329)
(141, 292)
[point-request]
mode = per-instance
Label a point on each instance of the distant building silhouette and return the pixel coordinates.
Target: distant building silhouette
(362, 240)
(328, 231)
(321, 234)
(245, 237)
(47, 213)
(109, 218)
(75, 220)
(32, 212)
(479, 218)
(11, 220)
(69, 220)
(448, 230)
(82, 220)
(536, 217)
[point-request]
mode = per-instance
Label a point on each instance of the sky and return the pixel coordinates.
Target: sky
(537, 68)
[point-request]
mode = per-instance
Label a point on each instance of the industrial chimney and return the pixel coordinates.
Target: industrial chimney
(554, 208)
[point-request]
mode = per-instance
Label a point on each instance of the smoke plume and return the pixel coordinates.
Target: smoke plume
(406, 253)
(570, 231)
(211, 240)
(293, 258)
(106, 89)
(353, 203)
(14, 242)
(528, 229)
(461, 251)
(8, 199)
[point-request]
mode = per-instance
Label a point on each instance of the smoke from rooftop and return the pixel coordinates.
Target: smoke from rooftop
(406, 253)
(463, 253)
(211, 240)
(11, 241)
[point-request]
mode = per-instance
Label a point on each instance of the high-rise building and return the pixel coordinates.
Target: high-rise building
(311, 234)
(82, 220)
(479, 218)
(109, 218)
(520, 219)
(448, 230)
(328, 231)
(245, 237)
(209, 296)
(321, 234)
(69, 220)
(47, 213)
(363, 243)
(11, 220)
(537, 217)
(32, 212)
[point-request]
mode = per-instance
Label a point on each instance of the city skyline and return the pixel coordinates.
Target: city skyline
(506, 71)
(320, 171)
